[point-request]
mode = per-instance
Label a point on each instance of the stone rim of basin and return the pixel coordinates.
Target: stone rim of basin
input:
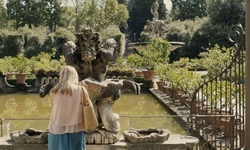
(30, 136)
(150, 135)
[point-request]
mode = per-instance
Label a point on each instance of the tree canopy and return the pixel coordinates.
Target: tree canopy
(188, 9)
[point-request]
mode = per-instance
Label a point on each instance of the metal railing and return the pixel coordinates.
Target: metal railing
(225, 94)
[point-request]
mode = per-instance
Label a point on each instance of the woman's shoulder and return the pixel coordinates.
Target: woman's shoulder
(76, 87)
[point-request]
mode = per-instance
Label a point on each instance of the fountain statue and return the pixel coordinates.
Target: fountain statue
(154, 9)
(155, 28)
(91, 58)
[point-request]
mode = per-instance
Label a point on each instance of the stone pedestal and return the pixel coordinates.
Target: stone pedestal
(175, 141)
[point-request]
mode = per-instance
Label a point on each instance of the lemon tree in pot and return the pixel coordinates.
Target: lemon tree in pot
(135, 62)
(156, 52)
(6, 66)
(21, 66)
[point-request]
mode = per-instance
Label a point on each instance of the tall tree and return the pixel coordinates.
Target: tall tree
(3, 16)
(24, 12)
(188, 9)
(99, 15)
(68, 18)
(139, 12)
(53, 10)
(227, 12)
(122, 2)
(14, 12)
(34, 13)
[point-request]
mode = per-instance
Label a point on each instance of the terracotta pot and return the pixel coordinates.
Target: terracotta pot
(174, 93)
(20, 78)
(184, 98)
(178, 94)
(167, 90)
(194, 105)
(224, 124)
(148, 75)
(160, 85)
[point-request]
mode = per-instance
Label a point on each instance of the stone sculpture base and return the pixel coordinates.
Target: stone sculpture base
(101, 137)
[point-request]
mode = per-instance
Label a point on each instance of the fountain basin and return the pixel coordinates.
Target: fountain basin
(174, 46)
(29, 136)
(146, 136)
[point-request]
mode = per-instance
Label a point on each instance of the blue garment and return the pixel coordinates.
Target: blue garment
(67, 141)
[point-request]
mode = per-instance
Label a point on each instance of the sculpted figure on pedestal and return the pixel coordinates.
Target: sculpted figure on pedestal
(91, 59)
(154, 9)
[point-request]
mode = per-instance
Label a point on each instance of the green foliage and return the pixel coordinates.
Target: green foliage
(110, 32)
(19, 64)
(6, 65)
(62, 35)
(12, 45)
(223, 93)
(139, 13)
(34, 13)
(182, 78)
(100, 15)
(207, 37)
(34, 40)
(46, 63)
(162, 71)
(182, 63)
(226, 12)
(3, 16)
(52, 14)
(216, 60)
(183, 31)
(134, 61)
(197, 65)
(120, 68)
(68, 18)
(48, 44)
(157, 51)
(183, 10)
(24, 12)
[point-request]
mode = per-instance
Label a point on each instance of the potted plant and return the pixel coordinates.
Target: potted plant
(6, 66)
(135, 61)
(44, 66)
(20, 66)
(156, 52)
(161, 70)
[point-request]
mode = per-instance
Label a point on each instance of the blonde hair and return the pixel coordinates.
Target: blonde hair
(68, 78)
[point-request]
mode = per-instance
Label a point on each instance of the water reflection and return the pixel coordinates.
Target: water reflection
(142, 112)
(31, 106)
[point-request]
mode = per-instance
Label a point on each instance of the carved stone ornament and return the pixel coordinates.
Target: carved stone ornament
(29, 136)
(146, 136)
